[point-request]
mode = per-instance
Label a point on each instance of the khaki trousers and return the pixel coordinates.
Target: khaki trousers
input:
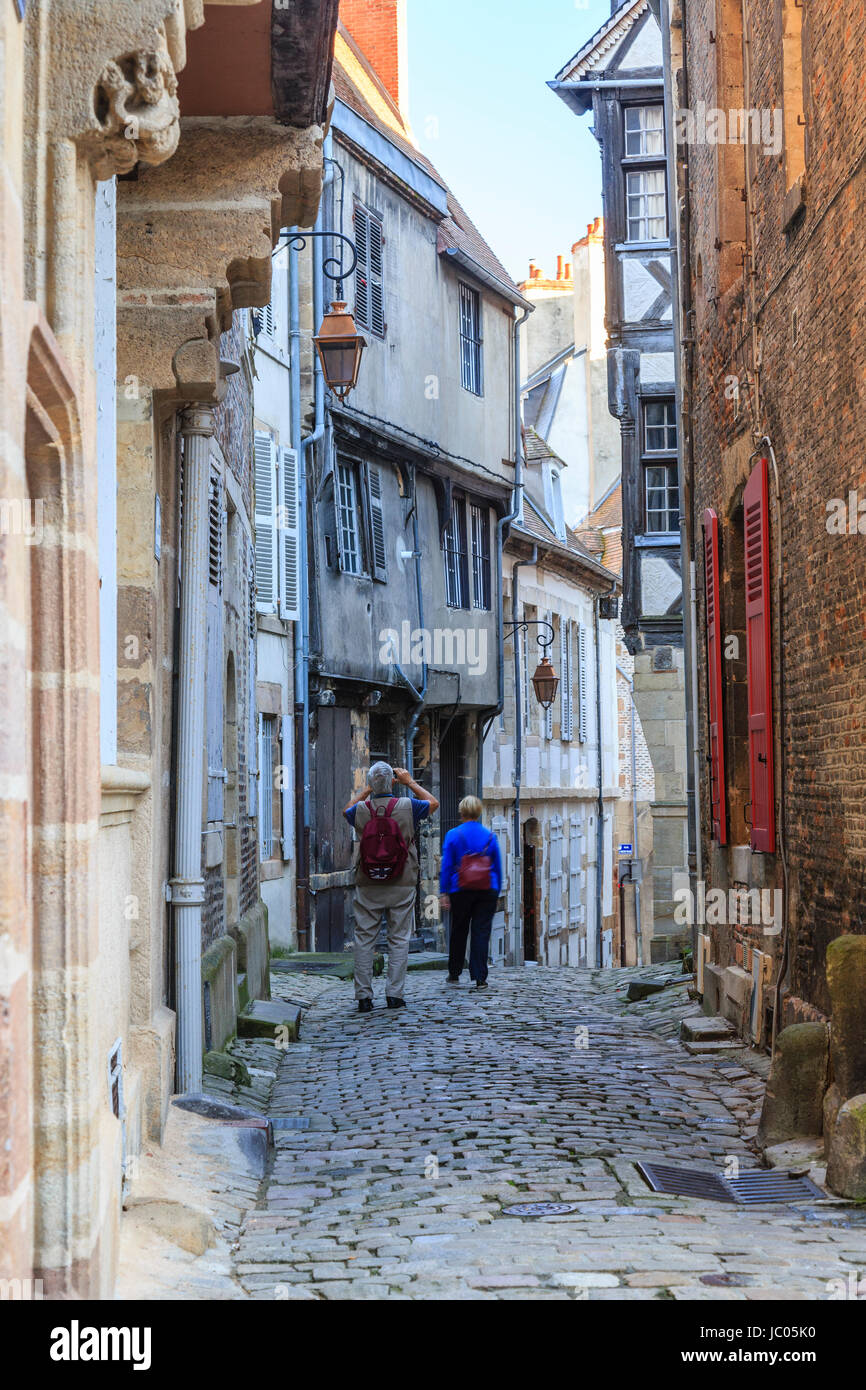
(398, 903)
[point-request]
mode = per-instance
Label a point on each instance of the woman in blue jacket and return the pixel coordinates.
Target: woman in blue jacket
(469, 883)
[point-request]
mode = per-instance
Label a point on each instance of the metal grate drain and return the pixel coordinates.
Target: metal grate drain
(539, 1209)
(291, 1122)
(761, 1185)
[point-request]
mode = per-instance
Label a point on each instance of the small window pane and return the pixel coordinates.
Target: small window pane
(644, 130)
(347, 521)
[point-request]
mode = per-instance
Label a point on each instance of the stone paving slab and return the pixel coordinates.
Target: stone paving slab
(426, 1122)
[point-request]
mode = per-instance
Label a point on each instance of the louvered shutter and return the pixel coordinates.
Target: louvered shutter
(576, 850)
(581, 683)
(287, 788)
(547, 715)
(376, 518)
(362, 271)
(267, 547)
(566, 680)
(377, 292)
(554, 898)
(214, 672)
(718, 806)
(287, 532)
(756, 518)
(253, 763)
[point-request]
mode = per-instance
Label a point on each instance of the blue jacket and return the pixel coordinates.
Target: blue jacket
(470, 837)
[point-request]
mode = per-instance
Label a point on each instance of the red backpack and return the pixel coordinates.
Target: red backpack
(383, 850)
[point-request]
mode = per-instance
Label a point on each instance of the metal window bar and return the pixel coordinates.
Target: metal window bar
(266, 785)
(470, 339)
(480, 527)
(455, 556)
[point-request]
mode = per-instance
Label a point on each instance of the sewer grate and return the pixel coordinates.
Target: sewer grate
(291, 1122)
(762, 1185)
(539, 1209)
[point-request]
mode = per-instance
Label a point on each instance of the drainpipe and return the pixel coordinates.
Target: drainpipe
(517, 849)
(638, 935)
(599, 831)
(187, 883)
(685, 479)
(420, 695)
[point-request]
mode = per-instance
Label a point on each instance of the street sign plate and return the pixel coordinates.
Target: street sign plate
(626, 849)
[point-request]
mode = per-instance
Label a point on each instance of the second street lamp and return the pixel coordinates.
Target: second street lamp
(544, 683)
(340, 345)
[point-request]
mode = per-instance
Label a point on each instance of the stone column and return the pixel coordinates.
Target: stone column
(187, 884)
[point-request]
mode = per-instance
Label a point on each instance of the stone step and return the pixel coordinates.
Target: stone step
(695, 1048)
(704, 1029)
(265, 1017)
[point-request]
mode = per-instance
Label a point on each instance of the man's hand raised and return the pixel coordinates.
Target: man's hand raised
(402, 776)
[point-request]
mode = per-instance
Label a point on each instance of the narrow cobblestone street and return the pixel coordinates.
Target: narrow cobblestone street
(424, 1123)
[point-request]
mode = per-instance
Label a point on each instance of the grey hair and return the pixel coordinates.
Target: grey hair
(381, 778)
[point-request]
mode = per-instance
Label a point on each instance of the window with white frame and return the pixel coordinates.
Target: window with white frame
(644, 130)
(277, 578)
(348, 518)
(268, 751)
(661, 483)
(645, 204)
(456, 557)
(470, 340)
(479, 525)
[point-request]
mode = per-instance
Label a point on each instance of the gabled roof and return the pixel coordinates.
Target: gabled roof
(598, 48)
(359, 87)
(601, 531)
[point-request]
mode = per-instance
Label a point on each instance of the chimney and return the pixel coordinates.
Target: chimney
(559, 261)
(379, 29)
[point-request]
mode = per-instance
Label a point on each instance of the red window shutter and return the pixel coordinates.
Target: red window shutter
(718, 797)
(756, 508)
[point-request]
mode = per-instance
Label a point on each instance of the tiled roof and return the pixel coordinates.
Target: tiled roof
(601, 531)
(535, 448)
(357, 84)
(603, 40)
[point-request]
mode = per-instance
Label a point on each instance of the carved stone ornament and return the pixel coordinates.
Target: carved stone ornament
(137, 112)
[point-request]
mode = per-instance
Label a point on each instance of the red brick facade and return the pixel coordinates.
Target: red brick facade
(378, 28)
(792, 345)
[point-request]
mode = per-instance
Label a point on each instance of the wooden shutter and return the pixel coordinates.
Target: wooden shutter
(288, 536)
(566, 680)
(252, 731)
(287, 789)
(547, 716)
(756, 517)
(581, 683)
(718, 797)
(369, 289)
(576, 885)
(267, 548)
(376, 523)
(214, 671)
(554, 900)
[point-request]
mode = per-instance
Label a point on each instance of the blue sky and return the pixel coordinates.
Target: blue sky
(525, 168)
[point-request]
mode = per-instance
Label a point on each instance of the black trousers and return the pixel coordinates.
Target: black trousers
(471, 909)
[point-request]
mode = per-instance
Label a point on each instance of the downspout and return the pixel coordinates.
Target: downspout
(517, 851)
(685, 479)
(599, 831)
(420, 695)
(501, 524)
(638, 934)
(187, 883)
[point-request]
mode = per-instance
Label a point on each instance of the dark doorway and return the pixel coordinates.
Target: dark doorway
(332, 851)
(452, 773)
(530, 898)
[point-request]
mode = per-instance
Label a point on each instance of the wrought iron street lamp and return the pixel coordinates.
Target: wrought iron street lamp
(545, 681)
(338, 343)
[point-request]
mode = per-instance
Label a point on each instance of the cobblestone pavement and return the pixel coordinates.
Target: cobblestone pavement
(425, 1122)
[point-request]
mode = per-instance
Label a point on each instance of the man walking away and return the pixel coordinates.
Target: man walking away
(386, 876)
(470, 883)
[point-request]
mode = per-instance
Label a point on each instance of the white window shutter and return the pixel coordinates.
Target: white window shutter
(554, 897)
(548, 713)
(288, 534)
(576, 879)
(267, 549)
(287, 788)
(252, 730)
(581, 682)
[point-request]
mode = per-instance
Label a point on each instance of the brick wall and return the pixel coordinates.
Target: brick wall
(808, 294)
(378, 28)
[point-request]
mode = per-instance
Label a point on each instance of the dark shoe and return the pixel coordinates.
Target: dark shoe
(481, 984)
(453, 980)
(395, 1003)
(365, 1006)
